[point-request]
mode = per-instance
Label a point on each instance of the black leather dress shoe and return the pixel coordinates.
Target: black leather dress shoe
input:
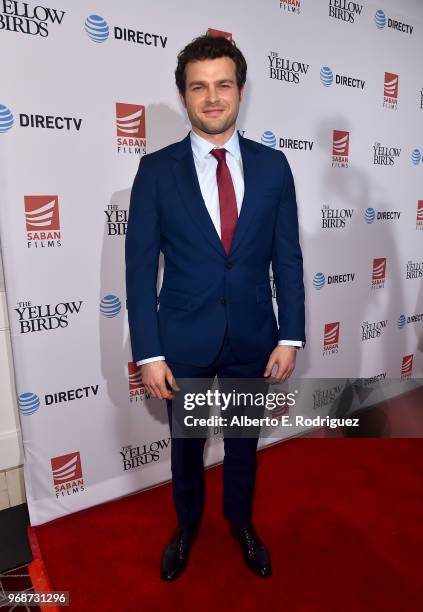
(255, 554)
(176, 553)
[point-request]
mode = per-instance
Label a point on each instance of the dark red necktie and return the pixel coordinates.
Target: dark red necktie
(227, 199)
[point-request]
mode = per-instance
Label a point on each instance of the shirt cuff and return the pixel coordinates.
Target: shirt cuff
(297, 343)
(159, 358)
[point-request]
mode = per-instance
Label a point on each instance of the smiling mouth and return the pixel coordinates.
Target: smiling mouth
(209, 111)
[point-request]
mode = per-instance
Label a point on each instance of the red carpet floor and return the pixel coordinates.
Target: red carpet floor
(342, 518)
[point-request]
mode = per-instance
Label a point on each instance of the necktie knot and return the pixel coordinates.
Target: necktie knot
(219, 154)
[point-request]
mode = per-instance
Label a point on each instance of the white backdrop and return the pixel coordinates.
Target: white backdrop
(321, 74)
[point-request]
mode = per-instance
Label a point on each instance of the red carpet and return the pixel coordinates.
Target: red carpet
(342, 518)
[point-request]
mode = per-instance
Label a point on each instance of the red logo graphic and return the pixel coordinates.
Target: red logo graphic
(331, 336)
(379, 271)
(42, 213)
(390, 87)
(66, 468)
(136, 386)
(419, 217)
(341, 143)
(134, 376)
(130, 120)
(211, 32)
(406, 366)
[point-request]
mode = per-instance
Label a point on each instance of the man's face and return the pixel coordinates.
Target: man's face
(212, 96)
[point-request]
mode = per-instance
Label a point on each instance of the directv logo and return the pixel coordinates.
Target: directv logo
(326, 76)
(28, 403)
(110, 306)
(369, 215)
(319, 280)
(416, 157)
(6, 118)
(380, 19)
(268, 139)
(97, 28)
(401, 321)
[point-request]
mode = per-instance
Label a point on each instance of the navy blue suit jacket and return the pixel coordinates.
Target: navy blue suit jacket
(204, 290)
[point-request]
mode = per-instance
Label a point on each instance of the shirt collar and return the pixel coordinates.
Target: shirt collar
(202, 147)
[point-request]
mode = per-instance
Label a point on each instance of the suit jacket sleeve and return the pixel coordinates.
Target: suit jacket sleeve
(142, 250)
(287, 263)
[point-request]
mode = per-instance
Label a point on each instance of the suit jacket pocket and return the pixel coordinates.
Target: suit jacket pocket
(175, 299)
(263, 292)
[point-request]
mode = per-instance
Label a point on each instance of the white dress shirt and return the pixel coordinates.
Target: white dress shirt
(206, 165)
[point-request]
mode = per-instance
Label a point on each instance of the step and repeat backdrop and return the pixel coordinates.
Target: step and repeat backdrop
(87, 89)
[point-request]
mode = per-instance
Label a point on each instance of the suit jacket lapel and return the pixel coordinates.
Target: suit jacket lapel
(189, 188)
(251, 191)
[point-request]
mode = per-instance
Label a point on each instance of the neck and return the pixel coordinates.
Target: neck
(216, 139)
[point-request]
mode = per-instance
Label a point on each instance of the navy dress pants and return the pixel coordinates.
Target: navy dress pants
(239, 465)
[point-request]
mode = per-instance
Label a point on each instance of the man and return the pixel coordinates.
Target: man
(221, 208)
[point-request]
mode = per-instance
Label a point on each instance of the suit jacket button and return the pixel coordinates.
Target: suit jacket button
(229, 265)
(223, 301)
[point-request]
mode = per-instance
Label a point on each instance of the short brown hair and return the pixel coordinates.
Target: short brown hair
(210, 47)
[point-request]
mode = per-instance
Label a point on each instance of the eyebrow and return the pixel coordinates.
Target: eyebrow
(219, 82)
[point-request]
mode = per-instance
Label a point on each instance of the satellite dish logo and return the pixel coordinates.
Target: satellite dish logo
(212, 32)
(319, 280)
(28, 403)
(416, 157)
(326, 76)
(6, 119)
(406, 366)
(369, 215)
(110, 306)
(97, 28)
(401, 321)
(268, 139)
(380, 19)
(331, 337)
(42, 213)
(379, 272)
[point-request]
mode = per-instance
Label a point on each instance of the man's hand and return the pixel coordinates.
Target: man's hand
(155, 375)
(284, 357)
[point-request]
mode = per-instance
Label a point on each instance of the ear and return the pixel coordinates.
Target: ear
(241, 92)
(182, 98)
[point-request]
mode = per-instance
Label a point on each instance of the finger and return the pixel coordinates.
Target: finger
(171, 380)
(155, 391)
(269, 367)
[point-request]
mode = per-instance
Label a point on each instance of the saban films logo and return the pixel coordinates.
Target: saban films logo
(419, 215)
(378, 273)
(340, 148)
(331, 338)
(42, 221)
(406, 366)
(282, 69)
(67, 474)
(130, 128)
(25, 19)
(45, 317)
(217, 33)
(290, 6)
(116, 220)
(390, 91)
(137, 390)
(136, 456)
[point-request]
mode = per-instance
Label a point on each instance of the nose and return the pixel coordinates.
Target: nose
(212, 96)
